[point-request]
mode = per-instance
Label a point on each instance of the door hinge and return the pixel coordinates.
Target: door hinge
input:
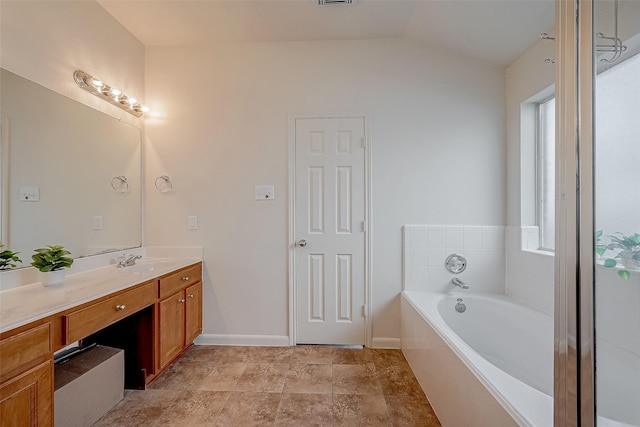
(364, 226)
(364, 310)
(364, 142)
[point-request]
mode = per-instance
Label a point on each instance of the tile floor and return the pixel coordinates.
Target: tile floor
(279, 386)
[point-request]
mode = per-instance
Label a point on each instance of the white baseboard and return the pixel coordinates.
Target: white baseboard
(243, 340)
(274, 340)
(385, 342)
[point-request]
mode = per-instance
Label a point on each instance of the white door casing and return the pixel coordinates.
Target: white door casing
(329, 217)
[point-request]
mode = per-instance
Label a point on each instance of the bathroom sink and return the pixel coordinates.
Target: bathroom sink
(146, 266)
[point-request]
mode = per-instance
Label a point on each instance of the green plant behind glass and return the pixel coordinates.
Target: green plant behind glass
(623, 246)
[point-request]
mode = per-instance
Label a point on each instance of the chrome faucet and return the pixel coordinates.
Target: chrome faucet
(123, 261)
(459, 283)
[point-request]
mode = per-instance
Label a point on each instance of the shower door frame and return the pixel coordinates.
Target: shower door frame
(574, 349)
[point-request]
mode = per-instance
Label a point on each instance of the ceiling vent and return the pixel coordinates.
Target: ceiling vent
(330, 2)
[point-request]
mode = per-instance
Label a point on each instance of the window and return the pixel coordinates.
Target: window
(545, 187)
(616, 151)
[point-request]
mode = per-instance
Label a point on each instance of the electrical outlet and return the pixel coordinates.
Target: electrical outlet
(29, 194)
(265, 192)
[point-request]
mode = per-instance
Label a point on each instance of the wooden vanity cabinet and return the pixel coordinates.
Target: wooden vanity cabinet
(154, 322)
(172, 312)
(27, 400)
(180, 312)
(193, 315)
(26, 377)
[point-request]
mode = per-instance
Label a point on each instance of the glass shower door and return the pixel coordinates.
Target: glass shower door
(617, 212)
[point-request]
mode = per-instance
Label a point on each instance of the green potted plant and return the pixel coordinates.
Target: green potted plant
(626, 249)
(8, 259)
(51, 261)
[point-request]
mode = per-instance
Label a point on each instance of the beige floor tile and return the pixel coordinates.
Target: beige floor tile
(263, 377)
(222, 377)
(196, 408)
(201, 353)
(249, 409)
(309, 410)
(313, 354)
(284, 386)
(398, 381)
(355, 379)
(141, 408)
(271, 354)
(231, 354)
(351, 410)
(182, 375)
(388, 357)
(351, 356)
(306, 378)
(411, 411)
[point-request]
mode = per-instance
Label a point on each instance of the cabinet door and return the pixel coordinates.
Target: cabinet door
(27, 400)
(172, 312)
(193, 320)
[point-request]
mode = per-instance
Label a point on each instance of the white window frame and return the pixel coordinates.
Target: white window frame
(541, 178)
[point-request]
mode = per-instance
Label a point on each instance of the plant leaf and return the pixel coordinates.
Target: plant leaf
(610, 263)
(624, 274)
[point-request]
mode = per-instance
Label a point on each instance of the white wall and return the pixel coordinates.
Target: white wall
(436, 125)
(46, 41)
(529, 272)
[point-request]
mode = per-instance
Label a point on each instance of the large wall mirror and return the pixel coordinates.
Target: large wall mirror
(71, 175)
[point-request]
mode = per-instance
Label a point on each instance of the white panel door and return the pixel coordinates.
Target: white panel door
(329, 230)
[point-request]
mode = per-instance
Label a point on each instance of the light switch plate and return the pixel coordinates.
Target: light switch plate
(97, 222)
(29, 194)
(265, 192)
(192, 222)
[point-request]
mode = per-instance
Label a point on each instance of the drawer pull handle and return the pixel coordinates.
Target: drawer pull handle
(190, 295)
(185, 278)
(181, 300)
(120, 307)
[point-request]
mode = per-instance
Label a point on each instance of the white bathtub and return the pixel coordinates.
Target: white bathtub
(491, 365)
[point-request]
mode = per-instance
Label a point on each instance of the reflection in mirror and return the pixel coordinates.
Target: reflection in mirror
(59, 158)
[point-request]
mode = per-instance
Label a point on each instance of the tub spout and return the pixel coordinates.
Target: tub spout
(459, 283)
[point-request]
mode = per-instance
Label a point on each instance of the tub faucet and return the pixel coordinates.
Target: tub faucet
(459, 283)
(123, 261)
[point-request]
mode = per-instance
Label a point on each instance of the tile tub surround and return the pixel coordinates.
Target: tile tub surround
(280, 386)
(426, 247)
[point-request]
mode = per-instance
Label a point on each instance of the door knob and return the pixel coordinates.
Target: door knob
(302, 243)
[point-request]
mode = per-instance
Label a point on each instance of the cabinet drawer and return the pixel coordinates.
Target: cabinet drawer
(25, 347)
(86, 321)
(172, 283)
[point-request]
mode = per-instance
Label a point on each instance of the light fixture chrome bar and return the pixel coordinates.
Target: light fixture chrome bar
(110, 94)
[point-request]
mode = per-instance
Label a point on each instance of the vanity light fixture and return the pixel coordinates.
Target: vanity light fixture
(113, 95)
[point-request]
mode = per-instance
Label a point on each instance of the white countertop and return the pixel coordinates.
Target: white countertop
(27, 303)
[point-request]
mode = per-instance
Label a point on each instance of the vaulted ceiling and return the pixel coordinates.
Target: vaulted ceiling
(496, 31)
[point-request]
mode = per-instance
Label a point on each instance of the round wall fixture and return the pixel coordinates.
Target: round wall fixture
(120, 184)
(164, 184)
(456, 263)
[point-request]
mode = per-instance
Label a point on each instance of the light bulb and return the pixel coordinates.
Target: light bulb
(132, 101)
(115, 92)
(145, 109)
(97, 83)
